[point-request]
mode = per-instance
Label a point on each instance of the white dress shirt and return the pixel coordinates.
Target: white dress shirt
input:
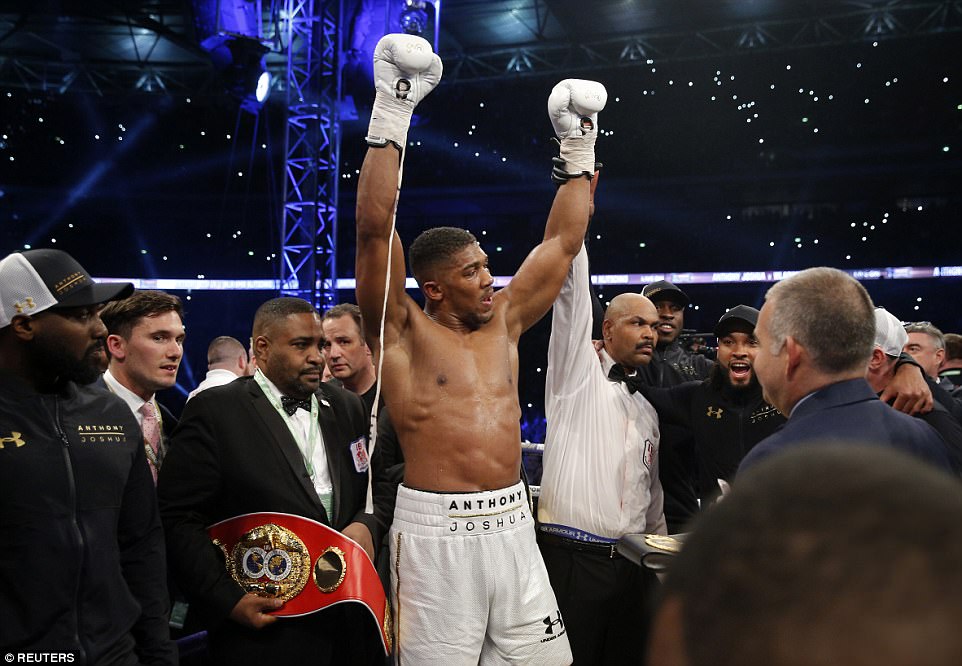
(134, 401)
(600, 475)
(301, 420)
(215, 377)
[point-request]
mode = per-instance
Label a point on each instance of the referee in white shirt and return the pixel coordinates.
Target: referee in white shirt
(600, 478)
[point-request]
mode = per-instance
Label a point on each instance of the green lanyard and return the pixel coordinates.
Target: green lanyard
(307, 449)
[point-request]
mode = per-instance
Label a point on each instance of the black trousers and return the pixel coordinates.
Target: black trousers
(340, 634)
(606, 602)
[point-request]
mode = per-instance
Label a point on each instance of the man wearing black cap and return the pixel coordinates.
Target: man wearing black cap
(672, 365)
(725, 415)
(83, 569)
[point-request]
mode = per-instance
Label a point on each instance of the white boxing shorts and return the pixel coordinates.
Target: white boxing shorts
(469, 585)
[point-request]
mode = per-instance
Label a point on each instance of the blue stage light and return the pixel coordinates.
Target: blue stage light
(414, 17)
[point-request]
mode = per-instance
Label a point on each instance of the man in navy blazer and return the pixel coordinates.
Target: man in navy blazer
(816, 332)
(283, 442)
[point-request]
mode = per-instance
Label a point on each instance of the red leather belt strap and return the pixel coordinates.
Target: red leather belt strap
(302, 561)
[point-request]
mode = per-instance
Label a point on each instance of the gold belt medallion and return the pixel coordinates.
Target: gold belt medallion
(666, 543)
(270, 561)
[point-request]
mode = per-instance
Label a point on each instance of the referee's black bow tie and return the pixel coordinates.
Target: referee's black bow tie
(291, 405)
(617, 374)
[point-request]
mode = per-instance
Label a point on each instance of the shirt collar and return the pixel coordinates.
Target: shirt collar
(134, 401)
(607, 363)
(276, 392)
(801, 401)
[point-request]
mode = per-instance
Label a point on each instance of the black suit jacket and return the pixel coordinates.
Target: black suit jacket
(168, 422)
(232, 454)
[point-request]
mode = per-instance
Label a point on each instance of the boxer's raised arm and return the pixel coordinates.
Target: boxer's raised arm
(405, 71)
(573, 108)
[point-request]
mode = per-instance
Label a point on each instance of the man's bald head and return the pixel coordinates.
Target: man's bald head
(625, 302)
(628, 331)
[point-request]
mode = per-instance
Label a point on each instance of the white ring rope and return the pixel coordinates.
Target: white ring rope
(372, 437)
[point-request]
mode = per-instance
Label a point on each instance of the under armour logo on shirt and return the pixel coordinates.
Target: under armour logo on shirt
(551, 624)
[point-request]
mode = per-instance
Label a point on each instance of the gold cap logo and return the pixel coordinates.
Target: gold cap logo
(26, 304)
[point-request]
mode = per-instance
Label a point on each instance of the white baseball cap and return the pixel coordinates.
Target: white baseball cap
(890, 336)
(35, 280)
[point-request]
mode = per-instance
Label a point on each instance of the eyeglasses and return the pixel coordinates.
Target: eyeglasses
(906, 324)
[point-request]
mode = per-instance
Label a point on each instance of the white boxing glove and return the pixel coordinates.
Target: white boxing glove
(573, 107)
(406, 69)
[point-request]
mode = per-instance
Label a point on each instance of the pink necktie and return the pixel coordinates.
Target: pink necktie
(151, 429)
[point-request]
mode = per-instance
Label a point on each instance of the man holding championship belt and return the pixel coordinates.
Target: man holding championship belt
(285, 443)
(468, 582)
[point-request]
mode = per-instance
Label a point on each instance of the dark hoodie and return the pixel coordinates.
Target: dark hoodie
(723, 422)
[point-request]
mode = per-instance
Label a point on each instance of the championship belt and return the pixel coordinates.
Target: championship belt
(306, 564)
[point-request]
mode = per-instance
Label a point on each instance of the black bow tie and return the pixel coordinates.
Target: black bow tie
(291, 405)
(632, 382)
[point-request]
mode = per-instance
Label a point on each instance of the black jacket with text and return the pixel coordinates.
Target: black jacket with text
(82, 566)
(724, 424)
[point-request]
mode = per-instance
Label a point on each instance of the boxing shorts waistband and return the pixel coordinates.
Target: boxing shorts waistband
(462, 514)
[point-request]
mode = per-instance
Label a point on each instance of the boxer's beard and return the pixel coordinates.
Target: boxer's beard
(475, 320)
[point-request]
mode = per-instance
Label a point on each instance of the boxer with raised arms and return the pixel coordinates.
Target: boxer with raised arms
(468, 582)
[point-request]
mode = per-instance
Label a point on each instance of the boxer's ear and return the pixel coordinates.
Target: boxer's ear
(433, 290)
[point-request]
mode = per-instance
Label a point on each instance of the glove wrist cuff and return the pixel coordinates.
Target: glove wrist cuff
(578, 154)
(559, 176)
(390, 120)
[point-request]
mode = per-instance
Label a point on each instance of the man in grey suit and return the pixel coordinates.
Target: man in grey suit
(815, 333)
